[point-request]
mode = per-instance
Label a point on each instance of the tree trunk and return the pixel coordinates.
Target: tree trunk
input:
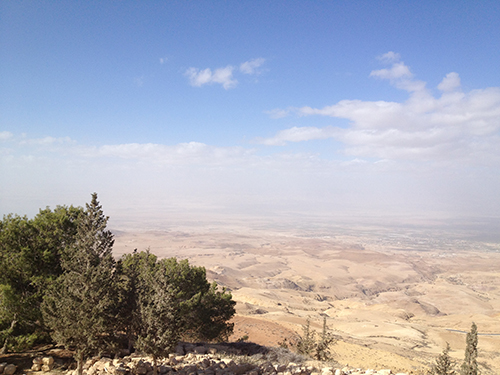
(155, 366)
(9, 332)
(79, 361)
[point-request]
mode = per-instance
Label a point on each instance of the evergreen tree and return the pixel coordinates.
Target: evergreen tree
(164, 301)
(469, 366)
(30, 251)
(306, 342)
(80, 307)
(322, 347)
(444, 364)
(158, 329)
(131, 269)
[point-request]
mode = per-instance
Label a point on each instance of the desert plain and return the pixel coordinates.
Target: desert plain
(392, 294)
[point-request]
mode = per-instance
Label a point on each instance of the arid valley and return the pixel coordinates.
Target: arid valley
(393, 295)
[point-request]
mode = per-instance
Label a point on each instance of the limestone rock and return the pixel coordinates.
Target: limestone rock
(9, 369)
(47, 368)
(37, 361)
(36, 367)
(48, 361)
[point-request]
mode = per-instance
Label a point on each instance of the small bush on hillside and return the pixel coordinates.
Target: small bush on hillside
(309, 345)
(444, 364)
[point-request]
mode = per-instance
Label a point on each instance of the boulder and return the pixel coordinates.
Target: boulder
(37, 361)
(36, 367)
(9, 369)
(48, 361)
(47, 368)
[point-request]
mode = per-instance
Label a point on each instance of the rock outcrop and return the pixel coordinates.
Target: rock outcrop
(208, 360)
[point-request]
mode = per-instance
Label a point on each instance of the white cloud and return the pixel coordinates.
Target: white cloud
(163, 60)
(450, 83)
(223, 76)
(456, 126)
(398, 74)
(299, 134)
(250, 67)
(5, 135)
(397, 71)
(389, 57)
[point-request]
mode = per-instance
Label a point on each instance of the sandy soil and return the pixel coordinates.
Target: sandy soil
(394, 303)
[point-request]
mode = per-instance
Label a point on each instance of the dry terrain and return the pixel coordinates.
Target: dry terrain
(395, 297)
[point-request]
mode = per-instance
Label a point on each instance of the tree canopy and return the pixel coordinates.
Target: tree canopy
(30, 258)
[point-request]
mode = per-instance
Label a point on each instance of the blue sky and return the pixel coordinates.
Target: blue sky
(251, 107)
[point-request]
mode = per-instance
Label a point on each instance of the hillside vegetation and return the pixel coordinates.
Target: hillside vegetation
(62, 282)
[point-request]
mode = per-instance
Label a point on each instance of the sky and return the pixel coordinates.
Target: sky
(251, 108)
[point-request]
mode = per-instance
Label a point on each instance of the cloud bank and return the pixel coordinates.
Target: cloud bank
(435, 154)
(453, 125)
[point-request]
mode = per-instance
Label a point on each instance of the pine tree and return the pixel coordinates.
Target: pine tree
(173, 300)
(444, 364)
(80, 307)
(158, 313)
(469, 366)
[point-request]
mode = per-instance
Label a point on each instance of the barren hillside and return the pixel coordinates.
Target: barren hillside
(395, 300)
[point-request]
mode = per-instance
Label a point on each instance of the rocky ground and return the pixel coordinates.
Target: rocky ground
(189, 359)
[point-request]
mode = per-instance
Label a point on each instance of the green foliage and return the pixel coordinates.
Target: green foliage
(129, 271)
(81, 305)
(202, 310)
(444, 364)
(30, 251)
(157, 309)
(305, 343)
(469, 366)
(58, 274)
(164, 301)
(319, 349)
